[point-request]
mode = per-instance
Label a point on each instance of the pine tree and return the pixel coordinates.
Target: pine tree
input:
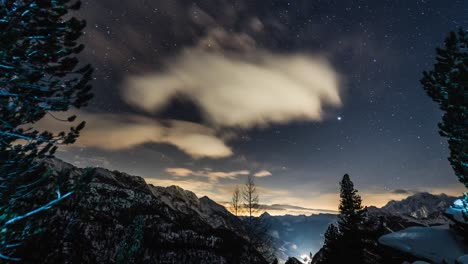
(447, 84)
(39, 75)
(330, 252)
(332, 236)
(350, 221)
(351, 210)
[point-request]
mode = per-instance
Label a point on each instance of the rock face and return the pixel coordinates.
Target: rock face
(420, 205)
(421, 209)
(115, 218)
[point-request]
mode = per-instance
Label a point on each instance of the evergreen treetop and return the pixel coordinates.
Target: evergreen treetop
(351, 210)
(39, 75)
(447, 84)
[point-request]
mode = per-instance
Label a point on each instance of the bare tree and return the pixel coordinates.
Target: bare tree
(257, 228)
(250, 198)
(236, 200)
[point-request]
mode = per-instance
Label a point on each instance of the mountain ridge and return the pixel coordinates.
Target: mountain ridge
(198, 220)
(110, 210)
(422, 208)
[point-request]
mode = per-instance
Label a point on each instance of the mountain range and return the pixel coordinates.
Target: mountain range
(421, 208)
(418, 210)
(112, 217)
(297, 235)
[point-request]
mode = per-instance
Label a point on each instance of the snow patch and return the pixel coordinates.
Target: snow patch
(436, 244)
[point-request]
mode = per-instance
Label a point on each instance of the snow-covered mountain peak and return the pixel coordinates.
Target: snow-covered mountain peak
(420, 205)
(421, 209)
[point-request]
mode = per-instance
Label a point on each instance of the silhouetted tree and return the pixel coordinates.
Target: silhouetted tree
(447, 84)
(345, 243)
(330, 252)
(350, 221)
(250, 199)
(256, 228)
(236, 201)
(39, 75)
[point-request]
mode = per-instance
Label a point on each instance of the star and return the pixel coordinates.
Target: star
(338, 118)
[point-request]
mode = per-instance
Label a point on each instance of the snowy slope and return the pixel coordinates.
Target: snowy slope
(436, 244)
(439, 244)
(186, 201)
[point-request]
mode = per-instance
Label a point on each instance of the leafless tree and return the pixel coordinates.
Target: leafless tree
(256, 227)
(236, 201)
(250, 198)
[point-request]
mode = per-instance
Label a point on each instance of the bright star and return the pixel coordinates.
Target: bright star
(339, 118)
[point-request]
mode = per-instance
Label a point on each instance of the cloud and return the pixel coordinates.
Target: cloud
(230, 75)
(213, 176)
(402, 191)
(179, 172)
(263, 173)
(254, 89)
(292, 208)
(219, 39)
(124, 131)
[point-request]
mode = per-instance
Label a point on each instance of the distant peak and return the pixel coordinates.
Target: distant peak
(265, 214)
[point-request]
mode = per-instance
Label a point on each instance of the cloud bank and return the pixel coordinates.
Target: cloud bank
(213, 176)
(263, 173)
(232, 91)
(241, 91)
(124, 131)
(234, 79)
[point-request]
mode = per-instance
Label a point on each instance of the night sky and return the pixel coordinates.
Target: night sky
(203, 93)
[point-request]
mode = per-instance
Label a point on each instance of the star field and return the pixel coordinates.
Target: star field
(384, 134)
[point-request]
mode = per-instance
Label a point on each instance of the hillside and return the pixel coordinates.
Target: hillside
(116, 218)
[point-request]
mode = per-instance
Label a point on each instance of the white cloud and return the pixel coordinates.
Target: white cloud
(255, 89)
(122, 131)
(249, 88)
(263, 173)
(179, 172)
(213, 176)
